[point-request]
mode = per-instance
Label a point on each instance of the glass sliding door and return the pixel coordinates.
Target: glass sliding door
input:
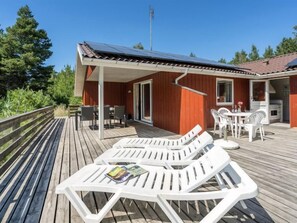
(143, 101)
(146, 102)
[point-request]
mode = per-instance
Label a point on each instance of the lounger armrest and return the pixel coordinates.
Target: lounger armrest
(244, 181)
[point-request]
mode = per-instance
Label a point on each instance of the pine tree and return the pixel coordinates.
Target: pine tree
(254, 54)
(192, 54)
(268, 52)
(222, 60)
(138, 46)
(240, 57)
(25, 48)
(288, 45)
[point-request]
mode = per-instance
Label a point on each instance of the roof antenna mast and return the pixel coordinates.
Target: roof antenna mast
(152, 14)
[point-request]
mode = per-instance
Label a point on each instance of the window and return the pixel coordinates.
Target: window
(224, 91)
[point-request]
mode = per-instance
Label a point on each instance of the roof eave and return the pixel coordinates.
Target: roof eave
(278, 74)
(157, 67)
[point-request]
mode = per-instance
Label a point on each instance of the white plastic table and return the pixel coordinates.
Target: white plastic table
(236, 116)
(228, 144)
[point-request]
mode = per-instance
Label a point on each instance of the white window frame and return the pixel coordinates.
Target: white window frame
(224, 103)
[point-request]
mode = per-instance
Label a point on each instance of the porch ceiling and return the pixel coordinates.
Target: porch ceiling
(112, 74)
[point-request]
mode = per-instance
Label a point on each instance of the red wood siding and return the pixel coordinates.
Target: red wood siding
(207, 84)
(166, 102)
(174, 108)
(192, 111)
(114, 93)
(293, 101)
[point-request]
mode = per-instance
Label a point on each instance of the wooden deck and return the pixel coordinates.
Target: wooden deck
(27, 192)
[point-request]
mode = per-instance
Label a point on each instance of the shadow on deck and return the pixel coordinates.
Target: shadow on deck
(23, 189)
(27, 191)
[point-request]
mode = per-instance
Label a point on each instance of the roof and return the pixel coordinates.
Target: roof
(276, 64)
(293, 63)
(120, 53)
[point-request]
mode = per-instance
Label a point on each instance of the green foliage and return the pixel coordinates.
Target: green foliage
(138, 46)
(287, 45)
(23, 100)
(222, 60)
(192, 54)
(254, 54)
(240, 57)
(75, 100)
(62, 87)
(295, 31)
(269, 52)
(24, 49)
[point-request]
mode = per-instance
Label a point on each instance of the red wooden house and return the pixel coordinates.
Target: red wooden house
(176, 92)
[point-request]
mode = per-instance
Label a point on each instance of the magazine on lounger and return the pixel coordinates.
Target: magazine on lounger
(120, 174)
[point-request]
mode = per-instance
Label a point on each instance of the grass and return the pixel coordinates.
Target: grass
(61, 111)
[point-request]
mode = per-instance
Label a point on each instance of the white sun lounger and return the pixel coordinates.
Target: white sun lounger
(162, 185)
(158, 142)
(156, 156)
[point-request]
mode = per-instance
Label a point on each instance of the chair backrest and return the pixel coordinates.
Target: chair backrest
(190, 151)
(87, 113)
(223, 110)
(256, 118)
(204, 168)
(119, 112)
(215, 115)
(106, 112)
(190, 135)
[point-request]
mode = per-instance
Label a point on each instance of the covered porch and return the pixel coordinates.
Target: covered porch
(168, 91)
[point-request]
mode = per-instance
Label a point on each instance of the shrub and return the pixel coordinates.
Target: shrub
(62, 87)
(23, 100)
(75, 100)
(61, 111)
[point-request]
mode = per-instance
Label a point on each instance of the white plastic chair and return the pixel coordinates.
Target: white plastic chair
(163, 185)
(158, 142)
(221, 121)
(223, 110)
(155, 155)
(252, 124)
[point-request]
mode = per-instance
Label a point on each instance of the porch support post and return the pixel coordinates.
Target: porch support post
(101, 102)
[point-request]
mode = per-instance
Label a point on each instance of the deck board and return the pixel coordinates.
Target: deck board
(272, 164)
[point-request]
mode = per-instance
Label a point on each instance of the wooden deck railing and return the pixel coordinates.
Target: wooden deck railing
(72, 109)
(17, 132)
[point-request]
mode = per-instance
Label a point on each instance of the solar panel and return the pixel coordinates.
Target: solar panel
(146, 54)
(293, 63)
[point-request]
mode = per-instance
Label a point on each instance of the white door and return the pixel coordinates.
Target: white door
(259, 97)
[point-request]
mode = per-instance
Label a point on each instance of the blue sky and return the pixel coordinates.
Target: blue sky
(211, 28)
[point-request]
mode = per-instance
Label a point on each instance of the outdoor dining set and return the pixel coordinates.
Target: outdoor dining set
(237, 122)
(90, 113)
